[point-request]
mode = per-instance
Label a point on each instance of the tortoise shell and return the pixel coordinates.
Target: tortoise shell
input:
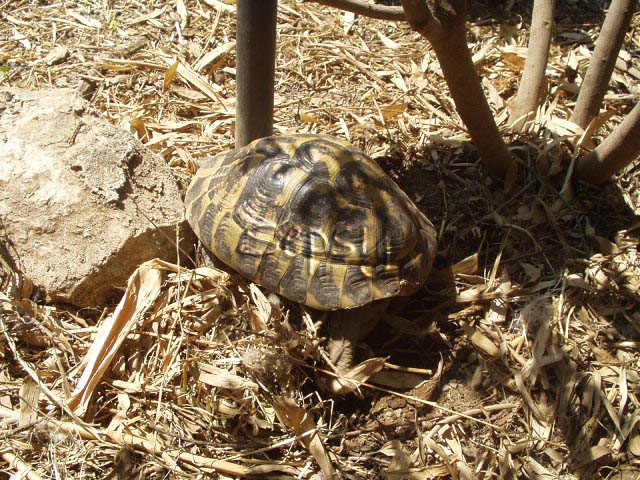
(313, 219)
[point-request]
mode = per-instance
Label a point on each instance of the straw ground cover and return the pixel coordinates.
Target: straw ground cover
(518, 359)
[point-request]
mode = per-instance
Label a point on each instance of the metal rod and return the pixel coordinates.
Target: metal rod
(255, 69)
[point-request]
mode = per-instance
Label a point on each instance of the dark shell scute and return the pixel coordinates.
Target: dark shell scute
(324, 287)
(294, 281)
(357, 286)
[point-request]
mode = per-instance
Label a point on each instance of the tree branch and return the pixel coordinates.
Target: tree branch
(443, 24)
(619, 149)
(418, 14)
(362, 7)
(595, 83)
(532, 82)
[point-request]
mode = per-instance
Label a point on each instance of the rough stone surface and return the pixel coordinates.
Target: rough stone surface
(82, 202)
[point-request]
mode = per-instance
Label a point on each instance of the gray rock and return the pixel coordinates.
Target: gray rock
(82, 202)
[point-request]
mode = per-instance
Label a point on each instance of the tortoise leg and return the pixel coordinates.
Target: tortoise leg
(346, 329)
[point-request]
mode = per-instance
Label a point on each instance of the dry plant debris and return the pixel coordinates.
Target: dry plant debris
(519, 360)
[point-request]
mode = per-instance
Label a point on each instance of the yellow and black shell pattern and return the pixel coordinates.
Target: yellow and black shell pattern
(313, 219)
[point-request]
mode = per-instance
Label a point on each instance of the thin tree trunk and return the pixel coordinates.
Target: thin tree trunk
(532, 83)
(596, 80)
(255, 69)
(616, 152)
(464, 83)
(445, 28)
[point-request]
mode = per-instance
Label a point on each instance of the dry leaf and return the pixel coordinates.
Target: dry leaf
(606, 247)
(300, 422)
(22, 40)
(347, 21)
(261, 319)
(87, 22)
(139, 128)
(183, 13)
(390, 112)
(57, 55)
(575, 280)
(210, 57)
(29, 400)
(386, 41)
(446, 456)
(495, 98)
(399, 82)
(564, 127)
(593, 454)
(514, 57)
(401, 462)
(595, 125)
(472, 294)
(170, 75)
(397, 380)
(222, 5)
(634, 436)
(142, 291)
(498, 307)
(217, 377)
(189, 75)
(148, 16)
(468, 265)
(351, 380)
(479, 339)
(524, 391)
(308, 118)
(532, 271)
(536, 470)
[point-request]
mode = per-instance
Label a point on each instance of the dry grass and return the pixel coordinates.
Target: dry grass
(532, 336)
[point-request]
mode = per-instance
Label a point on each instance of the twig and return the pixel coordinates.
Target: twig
(478, 411)
(360, 7)
(412, 398)
(154, 448)
(90, 431)
(23, 469)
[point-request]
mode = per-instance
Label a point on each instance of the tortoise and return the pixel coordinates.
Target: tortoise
(315, 220)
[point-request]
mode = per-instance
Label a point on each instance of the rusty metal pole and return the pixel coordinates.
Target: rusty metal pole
(255, 69)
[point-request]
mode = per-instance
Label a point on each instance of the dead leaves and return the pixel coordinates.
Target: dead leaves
(536, 350)
(351, 380)
(390, 112)
(142, 292)
(144, 303)
(301, 423)
(541, 334)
